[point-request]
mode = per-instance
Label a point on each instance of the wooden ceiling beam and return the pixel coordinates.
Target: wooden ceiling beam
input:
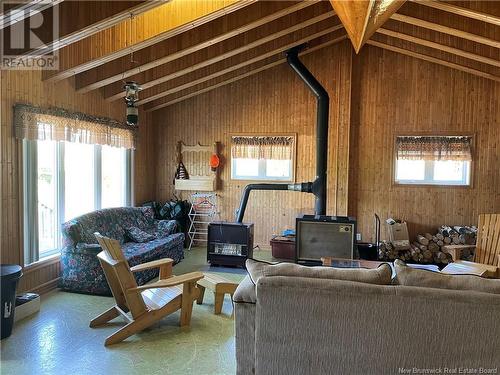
(97, 16)
(116, 92)
(163, 22)
(362, 18)
(104, 23)
(465, 12)
(25, 10)
(211, 33)
(155, 107)
(434, 60)
(445, 30)
(163, 90)
(440, 47)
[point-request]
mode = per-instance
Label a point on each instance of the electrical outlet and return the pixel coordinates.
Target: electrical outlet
(358, 236)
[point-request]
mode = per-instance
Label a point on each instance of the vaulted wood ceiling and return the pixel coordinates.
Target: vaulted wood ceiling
(181, 48)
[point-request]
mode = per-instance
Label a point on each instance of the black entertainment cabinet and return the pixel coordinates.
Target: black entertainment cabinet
(229, 244)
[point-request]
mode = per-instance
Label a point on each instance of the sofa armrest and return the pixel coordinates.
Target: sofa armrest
(245, 292)
(165, 228)
(87, 248)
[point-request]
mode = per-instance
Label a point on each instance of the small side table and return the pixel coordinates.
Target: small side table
(219, 285)
(456, 250)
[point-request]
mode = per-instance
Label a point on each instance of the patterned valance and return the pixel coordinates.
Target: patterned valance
(434, 148)
(60, 125)
(268, 147)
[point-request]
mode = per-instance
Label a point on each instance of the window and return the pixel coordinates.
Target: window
(433, 160)
(64, 180)
(270, 158)
(114, 174)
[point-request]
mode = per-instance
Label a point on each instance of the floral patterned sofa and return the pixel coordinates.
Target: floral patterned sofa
(81, 271)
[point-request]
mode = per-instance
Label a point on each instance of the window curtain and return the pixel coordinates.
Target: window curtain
(253, 147)
(434, 148)
(57, 124)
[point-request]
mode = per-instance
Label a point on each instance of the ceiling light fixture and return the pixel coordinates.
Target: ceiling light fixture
(131, 98)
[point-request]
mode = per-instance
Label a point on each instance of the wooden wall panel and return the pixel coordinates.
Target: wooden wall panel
(273, 101)
(392, 94)
(27, 87)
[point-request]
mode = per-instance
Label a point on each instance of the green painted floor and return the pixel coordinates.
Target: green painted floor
(58, 340)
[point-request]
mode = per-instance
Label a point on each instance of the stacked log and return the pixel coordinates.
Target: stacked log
(458, 235)
(386, 251)
(428, 247)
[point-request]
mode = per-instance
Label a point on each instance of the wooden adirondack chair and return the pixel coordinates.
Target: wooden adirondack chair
(488, 239)
(146, 304)
(487, 254)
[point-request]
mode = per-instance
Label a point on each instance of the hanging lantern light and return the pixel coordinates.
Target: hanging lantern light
(131, 98)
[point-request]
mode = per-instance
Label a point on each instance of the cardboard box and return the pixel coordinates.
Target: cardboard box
(30, 307)
(398, 235)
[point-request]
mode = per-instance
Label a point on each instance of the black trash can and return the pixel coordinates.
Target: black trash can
(10, 276)
(367, 251)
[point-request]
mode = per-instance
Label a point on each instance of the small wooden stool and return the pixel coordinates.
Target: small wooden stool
(456, 250)
(219, 285)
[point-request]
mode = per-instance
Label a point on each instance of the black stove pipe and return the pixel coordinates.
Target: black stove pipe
(304, 187)
(318, 187)
(322, 114)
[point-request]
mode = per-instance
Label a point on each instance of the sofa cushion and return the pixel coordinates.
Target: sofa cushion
(423, 278)
(110, 222)
(381, 275)
(165, 228)
(134, 249)
(138, 235)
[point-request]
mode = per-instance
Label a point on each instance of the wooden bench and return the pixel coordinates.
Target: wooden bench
(217, 284)
(456, 250)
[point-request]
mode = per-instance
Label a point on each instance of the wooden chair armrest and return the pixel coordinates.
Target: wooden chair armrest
(191, 277)
(165, 266)
(153, 264)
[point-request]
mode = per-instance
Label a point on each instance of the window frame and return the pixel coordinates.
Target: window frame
(426, 184)
(264, 134)
(30, 251)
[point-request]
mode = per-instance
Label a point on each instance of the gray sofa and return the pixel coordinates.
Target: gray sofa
(289, 324)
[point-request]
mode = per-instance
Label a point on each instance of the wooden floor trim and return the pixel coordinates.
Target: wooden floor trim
(46, 287)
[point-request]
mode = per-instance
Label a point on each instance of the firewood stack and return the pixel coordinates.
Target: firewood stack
(458, 235)
(428, 247)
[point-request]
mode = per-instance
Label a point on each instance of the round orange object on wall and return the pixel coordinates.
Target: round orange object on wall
(214, 161)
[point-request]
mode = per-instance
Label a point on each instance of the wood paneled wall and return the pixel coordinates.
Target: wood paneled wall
(274, 101)
(27, 87)
(395, 94)
(373, 96)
